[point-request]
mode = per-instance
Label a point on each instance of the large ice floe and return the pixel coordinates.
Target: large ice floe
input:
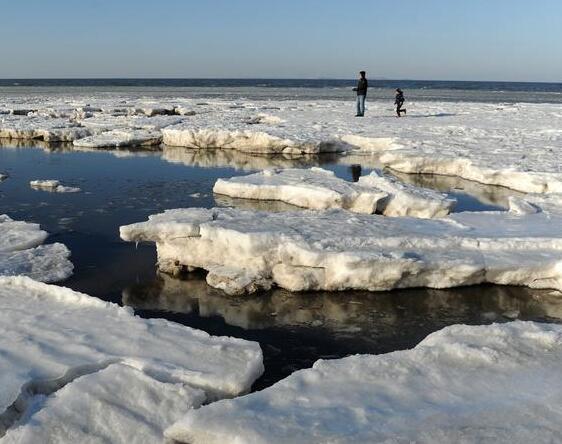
(320, 189)
(498, 383)
(22, 252)
(339, 250)
(78, 369)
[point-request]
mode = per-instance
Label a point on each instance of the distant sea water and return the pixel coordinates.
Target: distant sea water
(289, 89)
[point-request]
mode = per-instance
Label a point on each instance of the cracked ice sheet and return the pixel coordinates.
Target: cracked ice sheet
(21, 252)
(337, 250)
(49, 332)
(320, 189)
(118, 404)
(497, 383)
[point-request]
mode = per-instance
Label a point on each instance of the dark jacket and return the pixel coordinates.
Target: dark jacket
(399, 99)
(362, 86)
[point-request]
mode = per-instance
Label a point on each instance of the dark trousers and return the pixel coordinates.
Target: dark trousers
(399, 109)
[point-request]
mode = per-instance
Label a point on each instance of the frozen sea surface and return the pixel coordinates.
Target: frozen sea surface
(122, 187)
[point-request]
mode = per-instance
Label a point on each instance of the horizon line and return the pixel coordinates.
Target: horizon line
(375, 78)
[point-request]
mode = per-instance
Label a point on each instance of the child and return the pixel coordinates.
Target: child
(399, 101)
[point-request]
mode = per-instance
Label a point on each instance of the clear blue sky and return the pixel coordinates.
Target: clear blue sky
(414, 39)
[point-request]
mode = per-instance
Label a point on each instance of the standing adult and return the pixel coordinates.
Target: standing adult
(399, 102)
(361, 89)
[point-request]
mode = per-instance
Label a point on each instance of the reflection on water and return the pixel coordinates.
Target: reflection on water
(206, 158)
(489, 197)
(317, 325)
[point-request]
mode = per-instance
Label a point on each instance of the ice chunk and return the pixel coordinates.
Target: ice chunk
(315, 188)
(518, 205)
(46, 263)
(408, 200)
(338, 250)
(53, 185)
(497, 383)
(118, 404)
(51, 335)
(265, 119)
(21, 252)
(121, 137)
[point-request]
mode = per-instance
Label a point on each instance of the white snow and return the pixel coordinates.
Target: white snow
(338, 250)
(21, 252)
(320, 189)
(51, 335)
(52, 185)
(498, 383)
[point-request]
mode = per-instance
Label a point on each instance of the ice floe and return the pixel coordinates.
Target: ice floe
(338, 250)
(21, 252)
(498, 383)
(53, 186)
(315, 188)
(101, 365)
(320, 189)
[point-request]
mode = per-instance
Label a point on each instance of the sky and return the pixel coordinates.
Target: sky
(511, 40)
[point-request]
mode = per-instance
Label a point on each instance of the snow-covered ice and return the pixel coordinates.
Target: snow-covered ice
(52, 185)
(21, 252)
(52, 335)
(338, 250)
(498, 383)
(320, 189)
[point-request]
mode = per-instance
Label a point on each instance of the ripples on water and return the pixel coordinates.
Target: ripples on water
(122, 187)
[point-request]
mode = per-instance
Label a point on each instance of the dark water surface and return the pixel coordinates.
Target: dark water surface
(285, 89)
(294, 330)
